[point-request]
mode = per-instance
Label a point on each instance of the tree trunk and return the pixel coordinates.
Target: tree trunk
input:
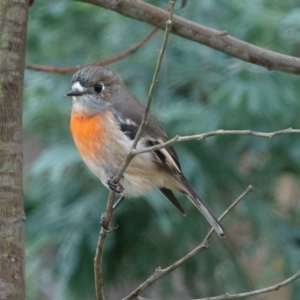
(13, 25)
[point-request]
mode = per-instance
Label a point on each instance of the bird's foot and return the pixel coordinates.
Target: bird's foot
(107, 228)
(115, 186)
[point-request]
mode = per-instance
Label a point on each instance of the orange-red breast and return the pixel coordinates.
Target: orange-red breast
(104, 121)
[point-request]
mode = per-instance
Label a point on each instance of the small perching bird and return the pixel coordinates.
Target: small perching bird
(104, 122)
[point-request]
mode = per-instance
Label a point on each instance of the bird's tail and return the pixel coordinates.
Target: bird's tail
(205, 210)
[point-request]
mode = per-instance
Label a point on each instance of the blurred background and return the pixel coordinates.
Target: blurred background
(199, 90)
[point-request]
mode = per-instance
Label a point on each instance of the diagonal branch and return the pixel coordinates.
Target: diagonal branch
(150, 94)
(64, 70)
(107, 216)
(203, 246)
(218, 40)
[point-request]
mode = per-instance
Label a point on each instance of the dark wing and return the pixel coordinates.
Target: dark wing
(129, 129)
(170, 196)
(166, 158)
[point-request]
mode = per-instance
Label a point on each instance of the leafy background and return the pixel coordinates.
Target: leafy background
(199, 90)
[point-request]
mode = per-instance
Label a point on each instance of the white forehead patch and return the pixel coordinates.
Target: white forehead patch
(76, 86)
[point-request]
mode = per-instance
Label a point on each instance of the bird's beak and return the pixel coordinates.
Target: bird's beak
(74, 93)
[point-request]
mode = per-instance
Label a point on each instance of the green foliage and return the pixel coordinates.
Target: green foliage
(199, 90)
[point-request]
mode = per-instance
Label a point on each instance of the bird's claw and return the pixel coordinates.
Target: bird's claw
(107, 229)
(115, 186)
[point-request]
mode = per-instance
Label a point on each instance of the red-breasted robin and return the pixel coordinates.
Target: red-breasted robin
(104, 121)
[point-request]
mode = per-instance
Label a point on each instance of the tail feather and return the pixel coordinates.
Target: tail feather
(171, 197)
(208, 214)
(205, 210)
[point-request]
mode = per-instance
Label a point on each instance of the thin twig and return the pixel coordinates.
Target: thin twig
(150, 94)
(202, 136)
(203, 246)
(271, 288)
(233, 204)
(155, 75)
(64, 70)
(228, 296)
(107, 217)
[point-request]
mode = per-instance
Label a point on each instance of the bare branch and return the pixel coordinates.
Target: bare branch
(155, 75)
(203, 246)
(202, 136)
(233, 204)
(107, 216)
(228, 296)
(64, 70)
(218, 40)
(275, 287)
(150, 94)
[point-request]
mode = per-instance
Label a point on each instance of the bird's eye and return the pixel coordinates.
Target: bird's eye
(98, 88)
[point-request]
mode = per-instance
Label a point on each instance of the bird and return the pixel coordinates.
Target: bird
(105, 118)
